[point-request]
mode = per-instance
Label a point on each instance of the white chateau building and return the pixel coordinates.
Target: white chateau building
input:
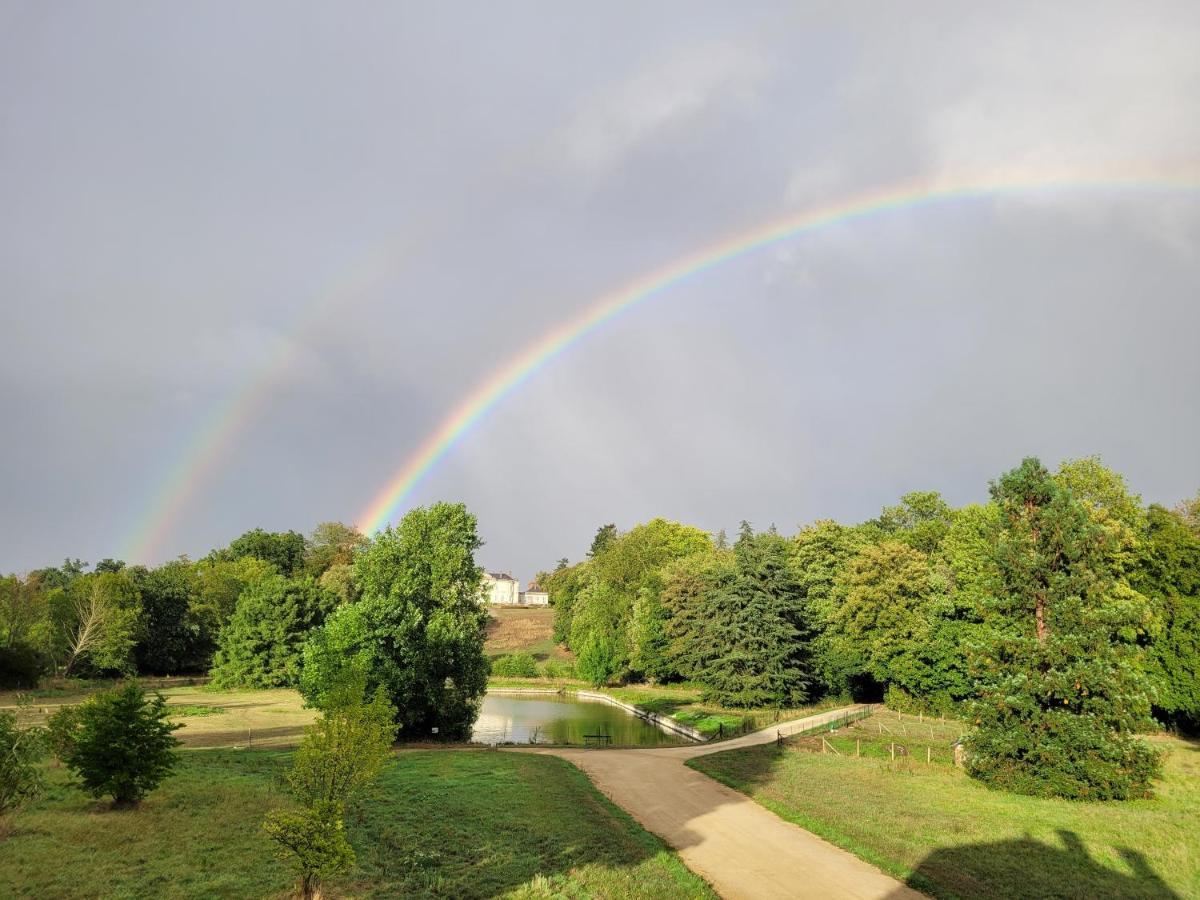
(501, 589)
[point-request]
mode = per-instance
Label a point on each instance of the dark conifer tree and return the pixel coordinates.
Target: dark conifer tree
(1061, 691)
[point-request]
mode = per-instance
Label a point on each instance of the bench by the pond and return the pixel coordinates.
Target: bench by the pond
(596, 740)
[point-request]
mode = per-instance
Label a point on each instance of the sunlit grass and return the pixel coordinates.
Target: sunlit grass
(956, 838)
(442, 823)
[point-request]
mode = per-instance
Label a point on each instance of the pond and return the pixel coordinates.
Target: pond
(562, 719)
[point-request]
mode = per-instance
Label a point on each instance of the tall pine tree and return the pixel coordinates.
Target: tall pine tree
(1061, 690)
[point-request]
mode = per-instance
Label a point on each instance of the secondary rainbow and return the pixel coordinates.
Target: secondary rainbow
(503, 381)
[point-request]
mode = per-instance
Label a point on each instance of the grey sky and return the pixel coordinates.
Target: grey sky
(401, 197)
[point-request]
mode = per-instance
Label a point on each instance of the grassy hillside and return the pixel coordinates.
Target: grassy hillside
(439, 824)
(523, 630)
(952, 837)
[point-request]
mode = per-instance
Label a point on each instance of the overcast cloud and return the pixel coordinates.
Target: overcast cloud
(396, 198)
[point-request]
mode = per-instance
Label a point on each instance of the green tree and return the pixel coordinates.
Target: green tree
(171, 639)
(1168, 573)
(26, 631)
(341, 754)
(119, 743)
(605, 535)
(821, 554)
(622, 596)
(759, 629)
(331, 544)
(283, 549)
(418, 629)
(597, 662)
(97, 619)
(313, 839)
(219, 584)
(921, 520)
(338, 579)
(691, 587)
(1189, 511)
(564, 585)
(263, 644)
(1061, 690)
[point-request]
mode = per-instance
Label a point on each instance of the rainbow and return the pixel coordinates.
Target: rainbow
(217, 432)
(502, 382)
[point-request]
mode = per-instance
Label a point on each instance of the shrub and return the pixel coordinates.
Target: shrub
(515, 665)
(557, 668)
(118, 743)
(20, 751)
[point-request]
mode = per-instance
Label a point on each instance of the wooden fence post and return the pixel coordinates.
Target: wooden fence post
(858, 747)
(928, 754)
(893, 751)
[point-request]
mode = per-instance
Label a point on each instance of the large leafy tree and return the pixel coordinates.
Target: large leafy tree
(283, 549)
(171, 639)
(1061, 690)
(417, 632)
(621, 599)
(96, 621)
(920, 519)
(820, 556)
(263, 644)
(1168, 572)
(331, 544)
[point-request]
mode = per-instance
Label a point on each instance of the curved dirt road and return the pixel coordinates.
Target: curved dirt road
(742, 849)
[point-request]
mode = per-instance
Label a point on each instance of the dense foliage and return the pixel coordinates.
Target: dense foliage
(118, 743)
(21, 749)
(263, 643)
(417, 630)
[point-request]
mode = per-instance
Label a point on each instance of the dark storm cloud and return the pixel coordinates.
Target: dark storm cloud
(397, 199)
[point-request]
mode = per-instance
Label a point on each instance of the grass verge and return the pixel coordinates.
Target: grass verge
(951, 837)
(438, 824)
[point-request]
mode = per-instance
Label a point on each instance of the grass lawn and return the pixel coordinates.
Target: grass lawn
(438, 824)
(211, 718)
(952, 837)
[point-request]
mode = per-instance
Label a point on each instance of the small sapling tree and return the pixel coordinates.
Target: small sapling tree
(118, 743)
(342, 753)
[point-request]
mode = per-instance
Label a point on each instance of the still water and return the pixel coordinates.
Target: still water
(557, 719)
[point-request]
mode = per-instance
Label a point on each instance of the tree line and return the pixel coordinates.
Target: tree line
(1058, 616)
(400, 611)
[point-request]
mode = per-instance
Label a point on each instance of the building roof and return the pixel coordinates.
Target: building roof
(499, 576)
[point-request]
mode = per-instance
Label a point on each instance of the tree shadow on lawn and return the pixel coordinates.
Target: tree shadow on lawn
(1028, 868)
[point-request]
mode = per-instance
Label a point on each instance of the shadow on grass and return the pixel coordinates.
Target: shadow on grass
(1028, 868)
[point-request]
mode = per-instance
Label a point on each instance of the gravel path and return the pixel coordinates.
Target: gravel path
(742, 849)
